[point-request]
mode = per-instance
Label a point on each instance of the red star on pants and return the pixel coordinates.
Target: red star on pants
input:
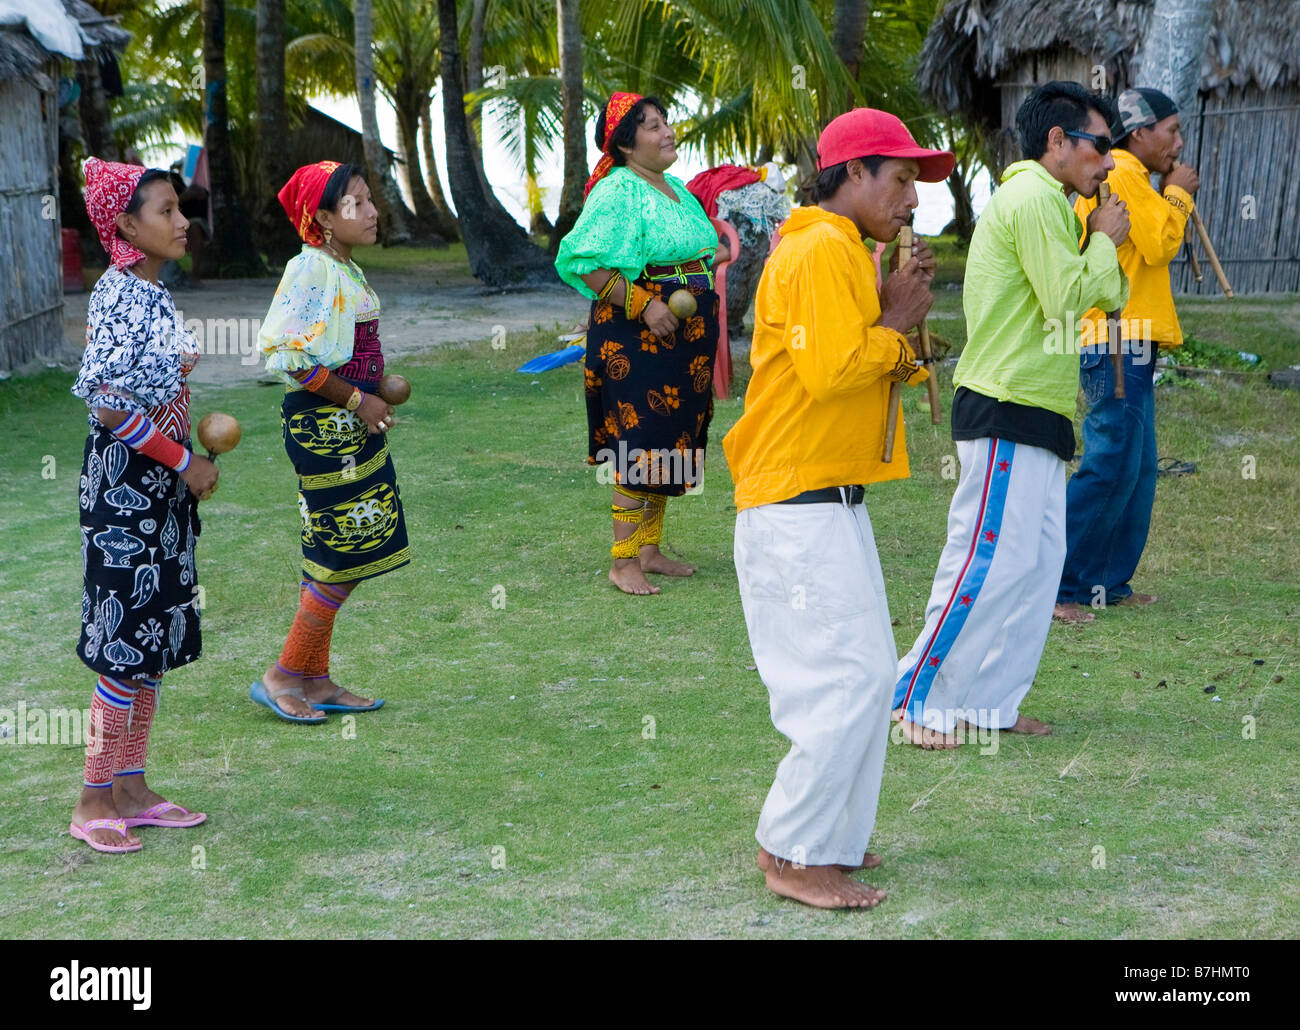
(990, 536)
(934, 662)
(1003, 466)
(967, 600)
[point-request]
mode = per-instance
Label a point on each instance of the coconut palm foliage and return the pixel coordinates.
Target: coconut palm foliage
(744, 79)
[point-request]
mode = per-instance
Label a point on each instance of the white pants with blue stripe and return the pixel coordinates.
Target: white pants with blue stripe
(991, 604)
(818, 622)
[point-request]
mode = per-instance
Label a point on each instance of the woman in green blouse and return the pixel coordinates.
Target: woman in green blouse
(649, 375)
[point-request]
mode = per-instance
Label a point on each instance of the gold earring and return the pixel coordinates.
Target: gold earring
(329, 234)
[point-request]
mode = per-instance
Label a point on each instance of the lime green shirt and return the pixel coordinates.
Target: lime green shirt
(627, 224)
(1027, 286)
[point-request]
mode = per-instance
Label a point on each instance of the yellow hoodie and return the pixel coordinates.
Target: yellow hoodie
(816, 403)
(1156, 225)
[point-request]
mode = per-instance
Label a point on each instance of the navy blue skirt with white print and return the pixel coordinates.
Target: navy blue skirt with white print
(139, 521)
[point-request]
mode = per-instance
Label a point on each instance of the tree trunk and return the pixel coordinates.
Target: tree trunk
(271, 229)
(575, 130)
(231, 251)
(391, 218)
(96, 122)
(963, 209)
(474, 78)
(408, 132)
(850, 32)
(446, 221)
(500, 252)
(1170, 59)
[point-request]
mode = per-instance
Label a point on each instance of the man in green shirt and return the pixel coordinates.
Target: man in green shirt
(1027, 286)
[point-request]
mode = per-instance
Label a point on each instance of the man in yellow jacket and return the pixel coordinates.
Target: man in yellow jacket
(826, 348)
(1109, 500)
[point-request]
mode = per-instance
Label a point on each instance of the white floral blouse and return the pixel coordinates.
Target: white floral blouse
(138, 350)
(313, 316)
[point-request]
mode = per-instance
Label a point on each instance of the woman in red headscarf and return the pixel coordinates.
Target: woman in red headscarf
(321, 336)
(649, 375)
(139, 488)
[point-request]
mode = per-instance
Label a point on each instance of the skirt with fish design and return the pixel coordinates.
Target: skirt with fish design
(352, 522)
(140, 603)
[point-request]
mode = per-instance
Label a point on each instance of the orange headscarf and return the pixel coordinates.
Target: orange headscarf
(300, 198)
(615, 111)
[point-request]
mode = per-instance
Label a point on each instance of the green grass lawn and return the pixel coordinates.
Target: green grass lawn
(512, 785)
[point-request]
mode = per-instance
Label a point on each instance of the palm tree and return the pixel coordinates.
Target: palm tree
(1170, 60)
(231, 250)
(575, 129)
(377, 161)
(272, 230)
(500, 253)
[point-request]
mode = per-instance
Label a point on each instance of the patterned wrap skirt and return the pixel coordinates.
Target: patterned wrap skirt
(140, 600)
(649, 400)
(352, 522)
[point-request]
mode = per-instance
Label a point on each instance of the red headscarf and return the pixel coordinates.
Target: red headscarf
(615, 111)
(301, 197)
(109, 189)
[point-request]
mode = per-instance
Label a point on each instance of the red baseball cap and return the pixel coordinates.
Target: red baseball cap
(865, 132)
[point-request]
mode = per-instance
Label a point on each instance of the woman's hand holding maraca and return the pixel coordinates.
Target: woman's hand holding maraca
(200, 477)
(376, 413)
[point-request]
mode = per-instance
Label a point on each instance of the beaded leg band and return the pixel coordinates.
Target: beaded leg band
(648, 517)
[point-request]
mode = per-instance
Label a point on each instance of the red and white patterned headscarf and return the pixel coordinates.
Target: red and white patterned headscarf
(109, 189)
(300, 198)
(615, 111)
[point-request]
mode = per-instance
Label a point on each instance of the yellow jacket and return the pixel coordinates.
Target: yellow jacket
(1155, 234)
(816, 403)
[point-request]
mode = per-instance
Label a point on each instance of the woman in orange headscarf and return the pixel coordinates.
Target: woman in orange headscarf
(649, 374)
(321, 336)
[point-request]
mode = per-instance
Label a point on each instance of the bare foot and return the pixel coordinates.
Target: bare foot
(821, 886)
(652, 560)
(97, 803)
(320, 689)
(1141, 600)
(626, 574)
(131, 796)
(277, 680)
(1024, 724)
(927, 740)
(1072, 613)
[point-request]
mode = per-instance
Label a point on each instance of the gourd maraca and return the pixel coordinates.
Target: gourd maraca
(394, 390)
(682, 303)
(218, 433)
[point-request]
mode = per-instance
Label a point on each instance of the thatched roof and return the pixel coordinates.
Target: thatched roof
(975, 42)
(21, 56)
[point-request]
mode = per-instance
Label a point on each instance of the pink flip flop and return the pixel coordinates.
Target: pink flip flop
(152, 817)
(117, 825)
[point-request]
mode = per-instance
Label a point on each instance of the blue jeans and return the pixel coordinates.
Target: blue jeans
(1108, 501)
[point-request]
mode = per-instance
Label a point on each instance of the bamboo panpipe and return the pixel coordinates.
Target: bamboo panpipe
(1114, 318)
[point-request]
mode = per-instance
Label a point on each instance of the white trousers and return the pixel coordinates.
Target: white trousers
(818, 623)
(991, 604)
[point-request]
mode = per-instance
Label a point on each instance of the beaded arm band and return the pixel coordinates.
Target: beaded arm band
(140, 434)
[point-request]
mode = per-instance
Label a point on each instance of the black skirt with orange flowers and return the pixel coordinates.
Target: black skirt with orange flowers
(650, 400)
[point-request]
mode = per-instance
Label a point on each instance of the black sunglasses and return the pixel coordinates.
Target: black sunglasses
(1102, 143)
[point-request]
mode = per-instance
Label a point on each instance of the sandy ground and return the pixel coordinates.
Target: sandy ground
(420, 312)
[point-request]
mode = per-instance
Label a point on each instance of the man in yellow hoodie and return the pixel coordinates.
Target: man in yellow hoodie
(827, 345)
(1108, 502)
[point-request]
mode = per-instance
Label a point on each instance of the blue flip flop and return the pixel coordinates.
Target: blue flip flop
(258, 692)
(328, 704)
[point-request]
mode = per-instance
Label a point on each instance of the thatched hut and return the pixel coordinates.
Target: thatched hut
(31, 267)
(982, 57)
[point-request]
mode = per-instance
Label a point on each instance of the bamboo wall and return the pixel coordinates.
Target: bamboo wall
(1246, 147)
(31, 261)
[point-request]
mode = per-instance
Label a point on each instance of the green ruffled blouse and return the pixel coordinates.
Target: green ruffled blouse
(627, 224)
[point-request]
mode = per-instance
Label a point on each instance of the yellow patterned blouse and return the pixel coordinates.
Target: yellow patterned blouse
(313, 316)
